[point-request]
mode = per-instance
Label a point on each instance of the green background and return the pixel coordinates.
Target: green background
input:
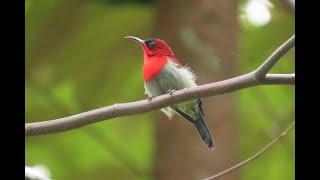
(77, 60)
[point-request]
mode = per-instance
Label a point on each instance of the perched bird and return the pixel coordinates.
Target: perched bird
(163, 73)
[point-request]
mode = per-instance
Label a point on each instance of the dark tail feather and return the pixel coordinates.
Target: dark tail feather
(204, 132)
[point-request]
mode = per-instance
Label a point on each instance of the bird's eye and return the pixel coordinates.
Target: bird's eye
(151, 43)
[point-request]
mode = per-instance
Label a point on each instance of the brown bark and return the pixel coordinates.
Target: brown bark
(202, 34)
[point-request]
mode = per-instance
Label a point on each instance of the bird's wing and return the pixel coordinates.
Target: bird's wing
(186, 116)
(200, 107)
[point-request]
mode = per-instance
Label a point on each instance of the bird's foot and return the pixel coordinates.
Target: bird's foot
(150, 98)
(171, 91)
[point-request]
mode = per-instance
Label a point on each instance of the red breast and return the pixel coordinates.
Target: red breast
(153, 66)
(156, 54)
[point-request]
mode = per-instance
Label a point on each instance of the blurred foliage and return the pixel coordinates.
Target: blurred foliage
(107, 2)
(77, 60)
(266, 111)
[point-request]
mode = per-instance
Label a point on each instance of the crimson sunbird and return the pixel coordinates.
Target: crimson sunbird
(164, 73)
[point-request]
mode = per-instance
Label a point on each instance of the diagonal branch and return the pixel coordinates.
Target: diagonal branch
(274, 58)
(143, 106)
(260, 152)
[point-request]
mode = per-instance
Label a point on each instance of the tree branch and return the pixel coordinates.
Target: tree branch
(143, 106)
(260, 152)
(279, 79)
(274, 58)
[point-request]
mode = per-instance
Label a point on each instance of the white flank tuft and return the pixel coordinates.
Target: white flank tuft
(168, 111)
(190, 73)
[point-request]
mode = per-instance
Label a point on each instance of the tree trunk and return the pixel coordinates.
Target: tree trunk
(203, 34)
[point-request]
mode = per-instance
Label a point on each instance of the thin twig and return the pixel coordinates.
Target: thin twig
(279, 78)
(143, 106)
(274, 58)
(260, 152)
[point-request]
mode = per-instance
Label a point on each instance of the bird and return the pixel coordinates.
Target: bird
(163, 73)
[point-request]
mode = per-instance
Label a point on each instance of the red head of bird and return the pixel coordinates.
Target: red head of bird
(156, 53)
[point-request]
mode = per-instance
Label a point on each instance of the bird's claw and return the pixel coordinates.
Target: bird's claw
(171, 91)
(150, 98)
